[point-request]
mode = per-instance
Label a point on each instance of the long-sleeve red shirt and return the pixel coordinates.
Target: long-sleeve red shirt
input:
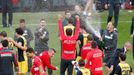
(46, 60)
(68, 43)
(94, 59)
(85, 49)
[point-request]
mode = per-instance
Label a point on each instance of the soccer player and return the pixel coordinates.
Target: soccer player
(7, 60)
(68, 44)
(81, 70)
(123, 68)
(3, 36)
(69, 25)
(82, 38)
(94, 59)
(46, 56)
(27, 32)
(21, 45)
(86, 48)
(1, 46)
(37, 66)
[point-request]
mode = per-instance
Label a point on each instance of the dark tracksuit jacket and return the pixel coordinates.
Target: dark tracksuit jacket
(110, 41)
(41, 44)
(7, 58)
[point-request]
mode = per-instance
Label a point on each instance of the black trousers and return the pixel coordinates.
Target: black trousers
(7, 7)
(66, 65)
(114, 9)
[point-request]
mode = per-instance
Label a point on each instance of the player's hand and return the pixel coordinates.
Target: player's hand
(100, 38)
(111, 69)
(57, 68)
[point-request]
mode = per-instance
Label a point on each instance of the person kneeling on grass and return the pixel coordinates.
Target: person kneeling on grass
(37, 66)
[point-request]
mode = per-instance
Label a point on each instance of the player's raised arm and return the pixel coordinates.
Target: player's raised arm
(60, 26)
(77, 26)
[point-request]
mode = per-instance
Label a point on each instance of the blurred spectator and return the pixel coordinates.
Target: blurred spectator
(113, 7)
(7, 9)
(78, 12)
(67, 17)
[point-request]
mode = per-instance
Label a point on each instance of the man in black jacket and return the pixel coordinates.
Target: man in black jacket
(109, 38)
(7, 9)
(113, 7)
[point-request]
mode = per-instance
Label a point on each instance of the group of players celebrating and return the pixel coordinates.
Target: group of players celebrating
(89, 60)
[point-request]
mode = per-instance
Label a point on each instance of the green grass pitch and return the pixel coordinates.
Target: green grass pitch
(32, 20)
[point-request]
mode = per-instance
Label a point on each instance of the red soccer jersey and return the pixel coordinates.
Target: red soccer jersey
(68, 43)
(1, 46)
(85, 49)
(46, 60)
(94, 59)
(35, 67)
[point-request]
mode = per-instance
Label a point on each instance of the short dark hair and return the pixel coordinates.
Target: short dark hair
(122, 56)
(81, 63)
(30, 50)
(70, 20)
(67, 11)
(94, 44)
(52, 49)
(19, 31)
(4, 43)
(89, 38)
(3, 33)
(42, 19)
(69, 31)
(83, 27)
(22, 20)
